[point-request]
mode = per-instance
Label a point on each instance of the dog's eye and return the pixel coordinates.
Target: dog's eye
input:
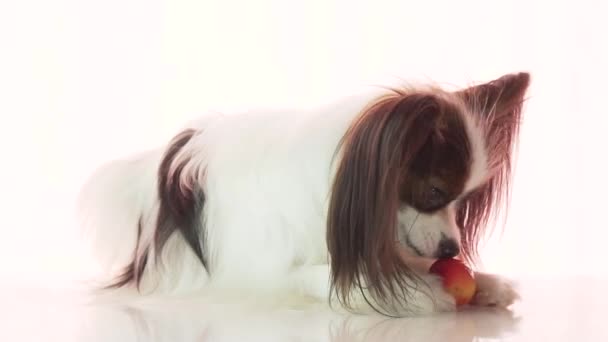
(435, 199)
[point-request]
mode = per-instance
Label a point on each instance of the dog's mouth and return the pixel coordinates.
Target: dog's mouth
(411, 245)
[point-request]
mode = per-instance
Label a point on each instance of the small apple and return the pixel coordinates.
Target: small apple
(457, 279)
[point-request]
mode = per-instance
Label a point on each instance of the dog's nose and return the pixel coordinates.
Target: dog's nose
(448, 248)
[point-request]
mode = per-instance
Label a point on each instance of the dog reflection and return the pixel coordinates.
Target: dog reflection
(170, 323)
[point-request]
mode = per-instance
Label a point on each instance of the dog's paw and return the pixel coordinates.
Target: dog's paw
(494, 290)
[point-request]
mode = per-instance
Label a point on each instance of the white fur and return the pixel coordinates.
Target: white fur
(266, 177)
(424, 231)
(111, 204)
(479, 166)
(494, 290)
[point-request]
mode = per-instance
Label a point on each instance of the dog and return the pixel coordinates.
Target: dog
(331, 202)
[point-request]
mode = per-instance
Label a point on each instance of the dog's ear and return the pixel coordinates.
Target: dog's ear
(497, 108)
(181, 197)
(499, 96)
(362, 219)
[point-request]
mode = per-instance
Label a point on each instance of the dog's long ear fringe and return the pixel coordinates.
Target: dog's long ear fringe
(180, 205)
(498, 108)
(362, 219)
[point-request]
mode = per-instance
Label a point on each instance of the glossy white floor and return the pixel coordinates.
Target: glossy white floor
(560, 309)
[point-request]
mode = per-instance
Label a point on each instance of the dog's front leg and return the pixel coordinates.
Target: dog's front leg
(494, 290)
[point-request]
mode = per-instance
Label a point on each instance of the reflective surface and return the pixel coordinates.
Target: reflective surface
(569, 309)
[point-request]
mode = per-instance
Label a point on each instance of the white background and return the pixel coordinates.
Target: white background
(82, 82)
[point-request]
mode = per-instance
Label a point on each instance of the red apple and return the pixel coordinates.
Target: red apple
(457, 279)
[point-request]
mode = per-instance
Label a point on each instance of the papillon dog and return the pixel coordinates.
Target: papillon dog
(333, 203)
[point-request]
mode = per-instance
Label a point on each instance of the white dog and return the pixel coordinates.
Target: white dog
(324, 203)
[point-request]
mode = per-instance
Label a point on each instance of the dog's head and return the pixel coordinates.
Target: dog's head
(424, 170)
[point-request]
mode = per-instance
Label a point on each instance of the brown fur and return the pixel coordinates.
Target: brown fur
(180, 206)
(443, 161)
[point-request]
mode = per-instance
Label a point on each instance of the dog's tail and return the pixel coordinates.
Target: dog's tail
(143, 218)
(115, 208)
